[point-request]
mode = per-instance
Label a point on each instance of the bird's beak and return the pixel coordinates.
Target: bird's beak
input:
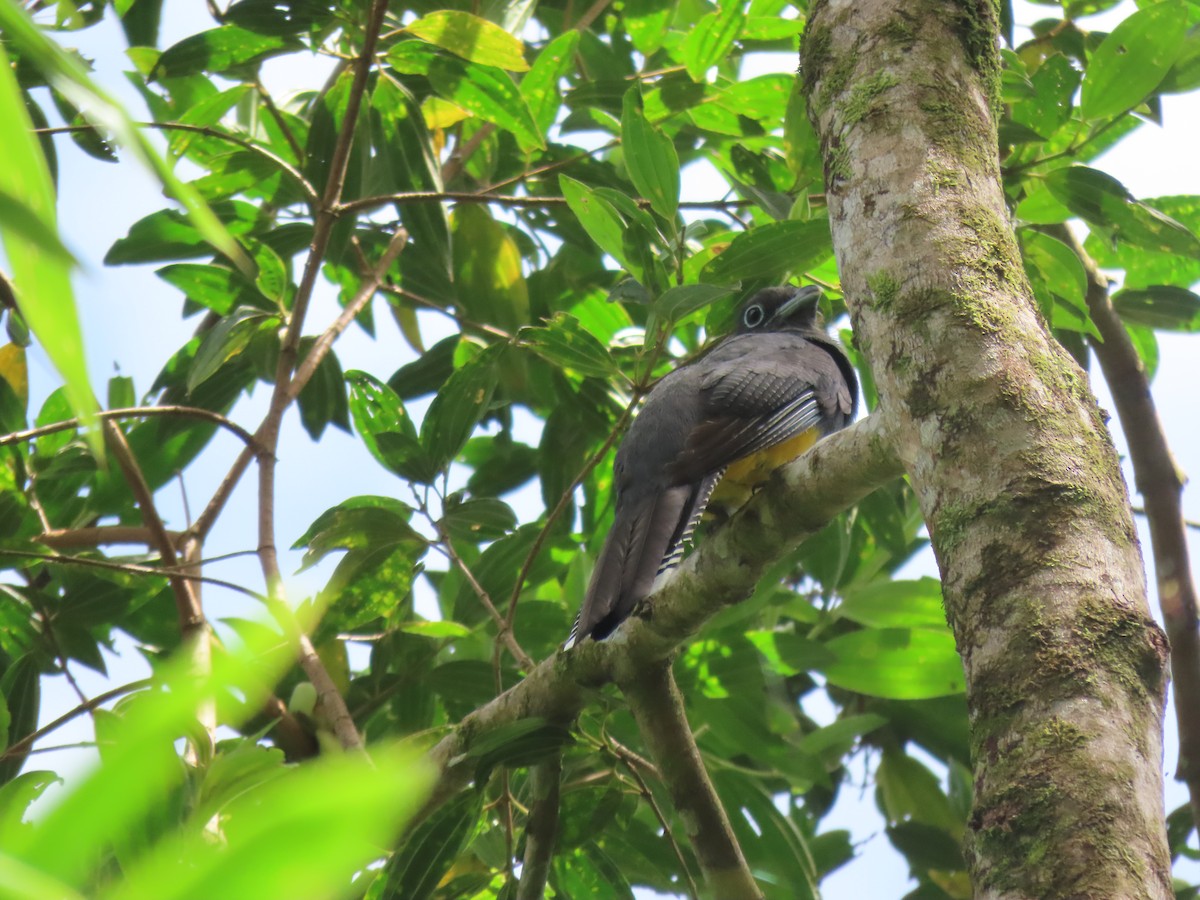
(809, 295)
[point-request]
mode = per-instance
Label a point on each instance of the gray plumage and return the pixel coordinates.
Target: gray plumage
(778, 376)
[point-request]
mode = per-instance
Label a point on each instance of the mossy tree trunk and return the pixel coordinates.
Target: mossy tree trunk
(1007, 449)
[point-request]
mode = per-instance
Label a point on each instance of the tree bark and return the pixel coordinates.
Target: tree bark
(1006, 448)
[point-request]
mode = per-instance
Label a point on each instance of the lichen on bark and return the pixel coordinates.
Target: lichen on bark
(1006, 448)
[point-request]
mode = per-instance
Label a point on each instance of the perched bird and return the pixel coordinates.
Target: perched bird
(713, 429)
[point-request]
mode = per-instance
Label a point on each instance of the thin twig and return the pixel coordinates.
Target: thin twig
(28, 741)
(292, 172)
(101, 535)
(621, 753)
(133, 412)
(1160, 482)
(269, 103)
(657, 706)
(371, 203)
(187, 604)
(329, 699)
(132, 568)
(446, 546)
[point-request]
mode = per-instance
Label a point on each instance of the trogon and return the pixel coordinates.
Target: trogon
(712, 430)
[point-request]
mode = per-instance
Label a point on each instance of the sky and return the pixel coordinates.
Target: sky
(131, 321)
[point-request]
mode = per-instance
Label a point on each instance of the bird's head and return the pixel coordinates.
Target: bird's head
(779, 308)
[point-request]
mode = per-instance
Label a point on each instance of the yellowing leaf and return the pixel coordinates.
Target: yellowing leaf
(472, 38)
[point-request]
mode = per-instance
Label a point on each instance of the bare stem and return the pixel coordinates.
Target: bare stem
(657, 705)
(132, 412)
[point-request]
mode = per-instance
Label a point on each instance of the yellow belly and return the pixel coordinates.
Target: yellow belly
(743, 476)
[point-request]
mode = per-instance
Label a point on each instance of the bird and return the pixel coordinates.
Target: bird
(713, 430)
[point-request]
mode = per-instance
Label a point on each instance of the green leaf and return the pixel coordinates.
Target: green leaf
(419, 865)
(489, 93)
(277, 17)
(437, 630)
(895, 604)
(564, 342)
(708, 43)
(474, 39)
(908, 791)
(479, 519)
(770, 250)
(41, 268)
(1163, 307)
(647, 22)
(229, 338)
(21, 686)
(598, 217)
(308, 832)
(219, 50)
(1102, 201)
(406, 148)
(540, 86)
(650, 157)
(1146, 267)
(386, 429)
(1133, 59)
(169, 235)
(684, 299)
(488, 281)
(212, 286)
(1059, 281)
(896, 663)
(459, 406)
(67, 75)
(323, 399)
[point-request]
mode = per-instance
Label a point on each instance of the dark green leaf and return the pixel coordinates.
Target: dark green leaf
(1132, 60)
(211, 286)
(769, 251)
(228, 339)
(459, 406)
(650, 157)
(684, 299)
(479, 520)
(277, 17)
(419, 865)
(1102, 201)
(564, 342)
(323, 400)
(427, 372)
(386, 429)
(927, 847)
(360, 523)
(219, 50)
(21, 686)
(169, 235)
(1162, 306)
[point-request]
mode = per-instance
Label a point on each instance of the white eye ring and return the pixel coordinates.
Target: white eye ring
(753, 316)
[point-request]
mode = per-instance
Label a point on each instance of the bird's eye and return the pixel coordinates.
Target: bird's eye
(753, 316)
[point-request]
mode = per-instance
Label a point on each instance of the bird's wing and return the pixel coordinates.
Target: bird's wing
(755, 400)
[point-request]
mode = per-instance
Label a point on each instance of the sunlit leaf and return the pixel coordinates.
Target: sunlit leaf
(900, 663)
(1133, 59)
(474, 39)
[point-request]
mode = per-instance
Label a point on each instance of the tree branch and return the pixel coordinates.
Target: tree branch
(541, 828)
(800, 500)
(657, 706)
(133, 412)
(1160, 482)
